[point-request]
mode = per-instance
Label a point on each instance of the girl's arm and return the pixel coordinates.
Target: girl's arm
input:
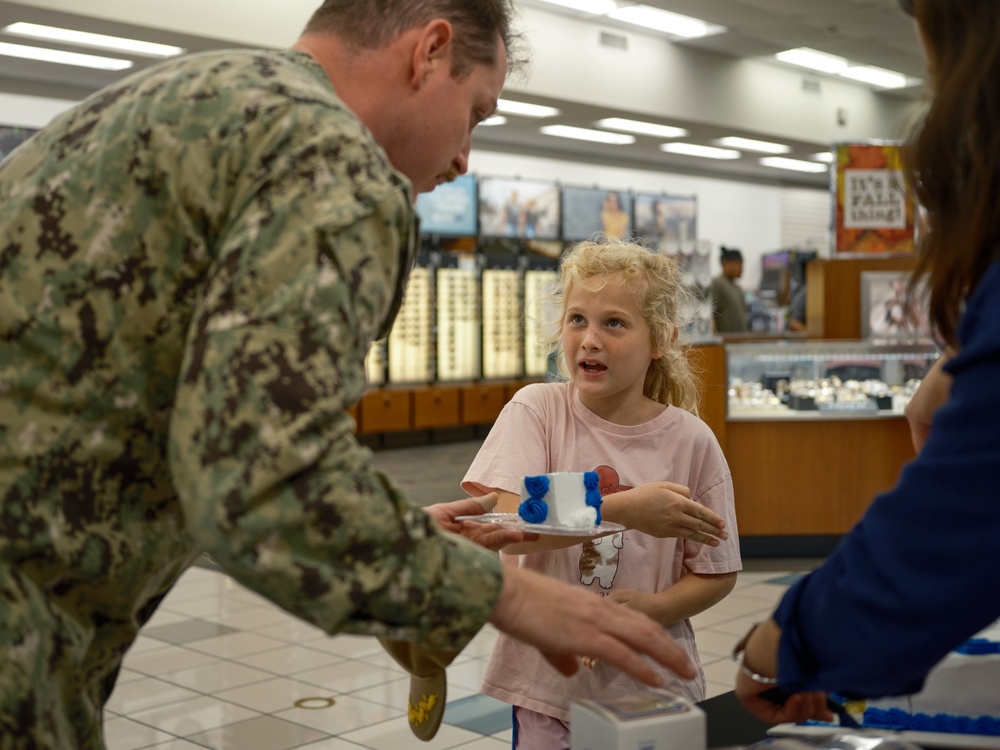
(692, 594)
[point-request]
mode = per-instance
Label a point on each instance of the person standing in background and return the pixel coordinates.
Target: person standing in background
(729, 306)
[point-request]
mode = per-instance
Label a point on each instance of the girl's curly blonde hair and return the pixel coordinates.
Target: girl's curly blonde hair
(661, 298)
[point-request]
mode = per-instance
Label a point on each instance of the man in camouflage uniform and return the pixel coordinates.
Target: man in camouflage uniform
(193, 263)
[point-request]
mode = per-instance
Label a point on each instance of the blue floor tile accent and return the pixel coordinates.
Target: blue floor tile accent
(478, 713)
(785, 580)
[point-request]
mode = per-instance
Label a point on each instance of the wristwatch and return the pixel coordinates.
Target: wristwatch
(739, 657)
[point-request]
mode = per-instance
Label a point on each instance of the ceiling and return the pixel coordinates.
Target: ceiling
(871, 32)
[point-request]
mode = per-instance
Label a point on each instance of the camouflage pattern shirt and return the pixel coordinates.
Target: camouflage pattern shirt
(193, 263)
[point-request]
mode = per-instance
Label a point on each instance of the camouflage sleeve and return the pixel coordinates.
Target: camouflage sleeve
(272, 481)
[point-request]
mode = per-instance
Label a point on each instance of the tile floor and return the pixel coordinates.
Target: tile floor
(220, 667)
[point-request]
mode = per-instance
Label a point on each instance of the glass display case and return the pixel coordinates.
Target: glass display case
(817, 379)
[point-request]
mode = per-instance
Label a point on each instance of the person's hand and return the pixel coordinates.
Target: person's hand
(588, 625)
(488, 535)
(665, 509)
(798, 707)
(933, 392)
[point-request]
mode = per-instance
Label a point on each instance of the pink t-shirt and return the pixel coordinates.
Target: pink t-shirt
(546, 428)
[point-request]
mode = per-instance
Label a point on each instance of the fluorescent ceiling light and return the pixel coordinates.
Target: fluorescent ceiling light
(494, 120)
(508, 107)
(63, 58)
(642, 128)
(826, 156)
(886, 79)
(597, 7)
(85, 39)
(585, 134)
(674, 24)
(706, 152)
(748, 144)
(795, 165)
(813, 59)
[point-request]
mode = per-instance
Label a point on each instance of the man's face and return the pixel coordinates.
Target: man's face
(733, 268)
(435, 144)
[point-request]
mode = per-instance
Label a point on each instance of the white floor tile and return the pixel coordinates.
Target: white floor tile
(192, 716)
(287, 628)
(468, 674)
(260, 733)
(235, 645)
(168, 659)
(712, 689)
(485, 743)
(289, 660)
(252, 618)
(348, 646)
(768, 592)
(146, 692)
(175, 744)
(722, 671)
(396, 735)
(713, 643)
(347, 676)
(276, 694)
(213, 678)
(345, 715)
(743, 605)
(121, 733)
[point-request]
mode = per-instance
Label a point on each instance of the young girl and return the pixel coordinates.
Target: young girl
(626, 413)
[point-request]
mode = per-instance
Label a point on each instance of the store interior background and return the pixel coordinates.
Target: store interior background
(234, 682)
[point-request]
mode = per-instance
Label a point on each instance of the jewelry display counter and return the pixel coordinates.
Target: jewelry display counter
(814, 430)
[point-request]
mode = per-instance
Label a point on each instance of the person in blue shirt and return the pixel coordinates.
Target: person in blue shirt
(919, 573)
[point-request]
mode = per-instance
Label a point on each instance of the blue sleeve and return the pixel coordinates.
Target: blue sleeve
(919, 573)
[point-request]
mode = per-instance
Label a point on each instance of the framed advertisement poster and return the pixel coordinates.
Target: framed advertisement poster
(660, 219)
(873, 211)
(890, 309)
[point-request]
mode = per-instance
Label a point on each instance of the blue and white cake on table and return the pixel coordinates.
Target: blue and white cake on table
(960, 696)
(570, 499)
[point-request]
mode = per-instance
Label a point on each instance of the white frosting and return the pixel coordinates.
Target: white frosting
(960, 685)
(567, 501)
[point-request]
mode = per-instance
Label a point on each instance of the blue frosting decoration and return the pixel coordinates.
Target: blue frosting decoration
(898, 720)
(533, 510)
(591, 481)
(537, 486)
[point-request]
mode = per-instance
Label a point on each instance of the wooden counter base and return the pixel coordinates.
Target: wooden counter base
(814, 477)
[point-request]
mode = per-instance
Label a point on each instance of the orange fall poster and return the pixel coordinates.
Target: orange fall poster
(874, 212)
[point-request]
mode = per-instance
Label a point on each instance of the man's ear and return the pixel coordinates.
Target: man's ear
(433, 51)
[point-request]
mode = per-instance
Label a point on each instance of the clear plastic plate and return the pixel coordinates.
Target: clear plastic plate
(514, 521)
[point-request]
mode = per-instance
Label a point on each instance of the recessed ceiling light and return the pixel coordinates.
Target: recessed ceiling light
(85, 39)
(813, 59)
(750, 144)
(706, 152)
(585, 134)
(674, 24)
(508, 107)
(887, 79)
(63, 58)
(796, 165)
(826, 156)
(642, 128)
(597, 7)
(494, 120)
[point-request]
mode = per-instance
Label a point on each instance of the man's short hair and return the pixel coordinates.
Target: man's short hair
(730, 253)
(371, 24)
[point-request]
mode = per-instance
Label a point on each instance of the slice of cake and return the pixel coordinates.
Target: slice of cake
(571, 499)
(960, 696)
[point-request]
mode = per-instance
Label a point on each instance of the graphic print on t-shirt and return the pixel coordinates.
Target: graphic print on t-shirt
(599, 558)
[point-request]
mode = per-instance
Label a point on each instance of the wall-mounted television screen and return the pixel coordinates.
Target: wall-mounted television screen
(524, 209)
(660, 219)
(450, 209)
(588, 211)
